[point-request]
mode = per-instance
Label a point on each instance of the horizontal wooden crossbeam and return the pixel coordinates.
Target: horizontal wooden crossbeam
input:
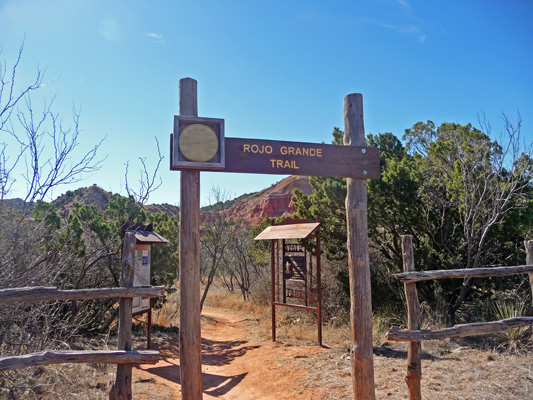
(475, 329)
(296, 306)
(462, 273)
(31, 294)
(80, 356)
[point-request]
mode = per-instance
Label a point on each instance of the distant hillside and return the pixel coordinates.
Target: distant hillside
(17, 204)
(227, 203)
(94, 195)
(168, 209)
(274, 202)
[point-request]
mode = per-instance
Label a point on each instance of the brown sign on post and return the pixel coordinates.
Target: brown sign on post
(299, 158)
(255, 156)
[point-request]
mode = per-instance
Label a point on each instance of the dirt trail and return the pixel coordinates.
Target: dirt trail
(233, 368)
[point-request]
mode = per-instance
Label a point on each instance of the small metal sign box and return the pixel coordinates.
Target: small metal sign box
(197, 143)
(295, 267)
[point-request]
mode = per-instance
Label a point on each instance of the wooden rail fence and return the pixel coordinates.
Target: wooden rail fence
(414, 335)
(124, 357)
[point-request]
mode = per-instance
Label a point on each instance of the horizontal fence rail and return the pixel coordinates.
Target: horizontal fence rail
(124, 357)
(32, 294)
(47, 357)
(419, 276)
(474, 329)
(414, 335)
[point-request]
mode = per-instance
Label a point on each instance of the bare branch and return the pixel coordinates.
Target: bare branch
(50, 150)
(148, 182)
(8, 96)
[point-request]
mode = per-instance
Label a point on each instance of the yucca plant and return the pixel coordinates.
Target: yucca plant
(515, 339)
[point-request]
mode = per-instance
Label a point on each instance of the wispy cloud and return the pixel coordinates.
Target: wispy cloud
(411, 30)
(404, 3)
(156, 37)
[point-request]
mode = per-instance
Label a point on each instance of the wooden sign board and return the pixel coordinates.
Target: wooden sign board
(256, 156)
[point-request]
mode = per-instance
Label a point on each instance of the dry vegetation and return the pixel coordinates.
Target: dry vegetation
(461, 369)
(451, 369)
(77, 381)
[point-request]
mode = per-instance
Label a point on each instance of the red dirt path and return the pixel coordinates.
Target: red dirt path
(233, 368)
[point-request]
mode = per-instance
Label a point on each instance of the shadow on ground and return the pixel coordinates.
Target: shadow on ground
(212, 384)
(388, 352)
(214, 353)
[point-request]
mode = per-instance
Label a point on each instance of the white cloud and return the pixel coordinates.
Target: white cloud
(157, 37)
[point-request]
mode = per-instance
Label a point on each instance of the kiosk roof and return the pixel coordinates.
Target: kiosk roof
(292, 231)
(148, 237)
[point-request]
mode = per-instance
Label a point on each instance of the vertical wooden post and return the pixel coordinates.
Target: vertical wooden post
(414, 364)
(306, 275)
(358, 260)
(318, 284)
(121, 389)
(149, 329)
(273, 282)
(529, 261)
(284, 287)
(189, 255)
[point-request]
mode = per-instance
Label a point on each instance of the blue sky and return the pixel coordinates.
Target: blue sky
(274, 70)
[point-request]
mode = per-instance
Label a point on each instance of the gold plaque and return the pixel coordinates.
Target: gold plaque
(198, 143)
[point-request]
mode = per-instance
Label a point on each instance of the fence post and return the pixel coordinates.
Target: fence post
(414, 365)
(529, 261)
(189, 265)
(358, 260)
(121, 389)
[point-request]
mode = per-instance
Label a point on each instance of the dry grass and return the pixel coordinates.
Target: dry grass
(75, 381)
(450, 371)
(464, 373)
(168, 314)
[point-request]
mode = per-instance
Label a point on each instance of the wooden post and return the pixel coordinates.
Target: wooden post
(318, 285)
(189, 255)
(529, 261)
(358, 259)
(121, 390)
(149, 329)
(414, 364)
(284, 281)
(273, 287)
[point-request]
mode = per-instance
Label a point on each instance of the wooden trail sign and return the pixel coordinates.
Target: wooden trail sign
(256, 156)
(198, 144)
(296, 158)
